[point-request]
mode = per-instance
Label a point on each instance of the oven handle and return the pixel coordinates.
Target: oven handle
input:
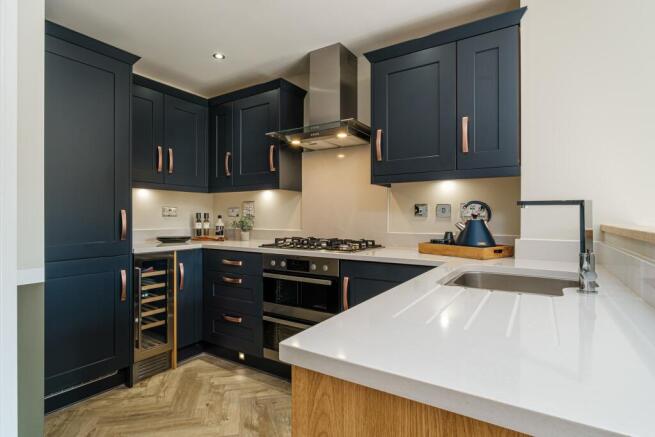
(286, 322)
(298, 279)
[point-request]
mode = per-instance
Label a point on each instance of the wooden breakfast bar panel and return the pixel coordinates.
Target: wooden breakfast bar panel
(327, 406)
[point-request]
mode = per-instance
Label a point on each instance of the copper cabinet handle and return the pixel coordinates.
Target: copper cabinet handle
(228, 155)
(232, 319)
(231, 262)
(181, 276)
(346, 281)
(271, 158)
(123, 285)
(465, 134)
(229, 280)
(160, 159)
(123, 224)
(171, 164)
(378, 145)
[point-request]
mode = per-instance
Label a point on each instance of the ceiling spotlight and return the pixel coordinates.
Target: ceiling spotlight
(342, 135)
(295, 142)
(218, 55)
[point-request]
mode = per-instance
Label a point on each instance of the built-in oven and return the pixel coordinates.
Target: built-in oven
(298, 292)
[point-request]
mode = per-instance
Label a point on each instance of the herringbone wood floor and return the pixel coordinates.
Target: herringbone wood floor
(204, 396)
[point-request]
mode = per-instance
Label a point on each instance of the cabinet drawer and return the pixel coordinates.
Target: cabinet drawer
(233, 292)
(232, 262)
(233, 330)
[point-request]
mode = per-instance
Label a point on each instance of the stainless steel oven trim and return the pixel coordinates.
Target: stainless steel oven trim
(296, 312)
(286, 322)
(298, 279)
(277, 261)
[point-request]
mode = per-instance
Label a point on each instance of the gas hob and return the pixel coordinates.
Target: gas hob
(330, 244)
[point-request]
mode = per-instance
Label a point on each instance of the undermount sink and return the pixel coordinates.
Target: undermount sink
(514, 283)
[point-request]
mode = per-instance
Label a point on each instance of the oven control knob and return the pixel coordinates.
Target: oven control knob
(283, 263)
(312, 267)
(325, 268)
(273, 263)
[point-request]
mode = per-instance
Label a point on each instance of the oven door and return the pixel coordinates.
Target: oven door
(276, 330)
(300, 297)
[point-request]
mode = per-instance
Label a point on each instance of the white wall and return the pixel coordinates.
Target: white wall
(8, 181)
(587, 71)
(30, 133)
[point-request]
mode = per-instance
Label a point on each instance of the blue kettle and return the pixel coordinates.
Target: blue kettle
(475, 232)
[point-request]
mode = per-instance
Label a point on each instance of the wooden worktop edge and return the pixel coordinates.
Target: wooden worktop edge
(640, 233)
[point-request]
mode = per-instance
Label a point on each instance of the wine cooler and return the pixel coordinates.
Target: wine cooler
(154, 314)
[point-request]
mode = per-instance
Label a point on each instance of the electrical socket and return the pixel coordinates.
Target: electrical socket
(421, 209)
(443, 210)
(169, 211)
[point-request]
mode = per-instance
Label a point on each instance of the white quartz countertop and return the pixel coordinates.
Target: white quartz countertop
(579, 364)
(398, 255)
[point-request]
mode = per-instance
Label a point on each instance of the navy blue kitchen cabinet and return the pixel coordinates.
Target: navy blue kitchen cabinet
(169, 134)
(189, 297)
(361, 281)
(87, 147)
(185, 135)
(221, 158)
(88, 287)
(147, 135)
(232, 300)
(488, 100)
(87, 320)
(446, 106)
(241, 156)
(414, 108)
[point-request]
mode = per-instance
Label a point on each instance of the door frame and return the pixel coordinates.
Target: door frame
(8, 215)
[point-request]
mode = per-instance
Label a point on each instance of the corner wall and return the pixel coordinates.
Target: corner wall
(587, 113)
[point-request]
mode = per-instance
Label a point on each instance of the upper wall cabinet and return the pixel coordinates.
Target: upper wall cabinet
(87, 147)
(241, 156)
(447, 105)
(169, 136)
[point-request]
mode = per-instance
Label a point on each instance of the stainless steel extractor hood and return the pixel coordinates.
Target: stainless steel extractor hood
(332, 104)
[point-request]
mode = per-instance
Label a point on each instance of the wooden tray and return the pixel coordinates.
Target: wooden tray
(208, 238)
(466, 251)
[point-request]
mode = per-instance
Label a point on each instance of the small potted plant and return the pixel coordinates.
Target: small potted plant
(245, 224)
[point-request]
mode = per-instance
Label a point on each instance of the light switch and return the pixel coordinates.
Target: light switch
(421, 209)
(443, 210)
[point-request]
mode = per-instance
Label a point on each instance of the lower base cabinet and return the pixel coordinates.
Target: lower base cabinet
(361, 281)
(189, 297)
(87, 320)
(233, 330)
(232, 301)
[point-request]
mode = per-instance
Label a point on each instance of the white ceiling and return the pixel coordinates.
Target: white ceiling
(262, 39)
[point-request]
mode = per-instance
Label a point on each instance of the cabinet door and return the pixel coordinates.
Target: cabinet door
(147, 135)
(87, 153)
(221, 157)
(362, 281)
(87, 320)
(413, 106)
(189, 297)
(254, 163)
(488, 98)
(185, 137)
